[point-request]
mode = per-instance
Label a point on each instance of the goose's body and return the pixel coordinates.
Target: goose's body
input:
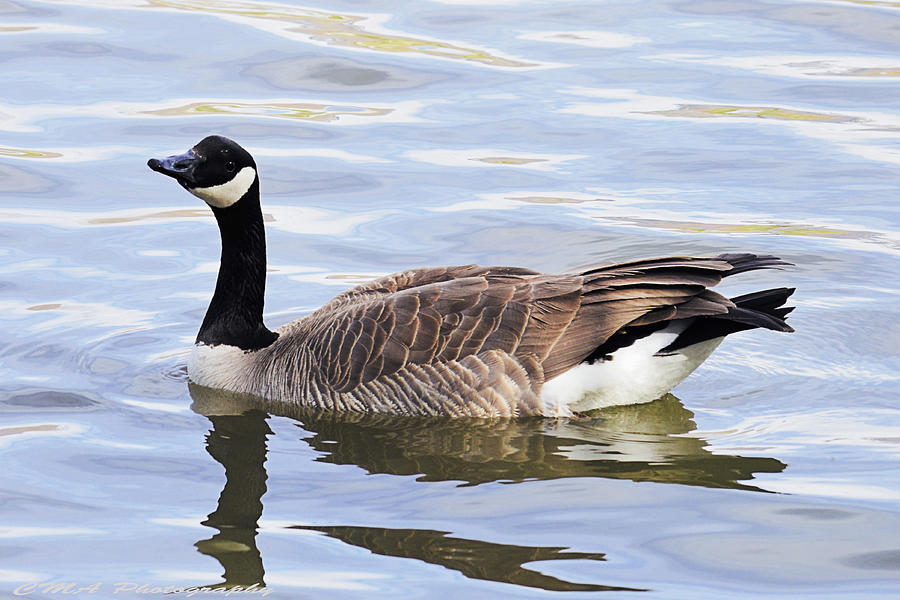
(463, 340)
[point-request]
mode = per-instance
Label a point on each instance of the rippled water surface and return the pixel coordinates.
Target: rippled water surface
(547, 134)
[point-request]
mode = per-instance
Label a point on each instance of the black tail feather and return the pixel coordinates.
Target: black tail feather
(765, 299)
(759, 309)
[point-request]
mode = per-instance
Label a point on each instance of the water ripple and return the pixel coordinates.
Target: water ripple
(619, 207)
(296, 219)
(307, 112)
(48, 28)
(799, 66)
(492, 157)
(867, 134)
(327, 28)
(26, 119)
(590, 39)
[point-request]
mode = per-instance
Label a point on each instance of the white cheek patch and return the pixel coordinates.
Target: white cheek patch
(226, 194)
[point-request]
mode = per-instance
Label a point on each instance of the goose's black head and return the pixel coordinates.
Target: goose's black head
(216, 170)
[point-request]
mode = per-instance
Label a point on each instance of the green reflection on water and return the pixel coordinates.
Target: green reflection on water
(640, 443)
(758, 112)
(20, 153)
(870, 72)
(310, 112)
(508, 160)
(339, 30)
(869, 237)
(8, 431)
(880, 3)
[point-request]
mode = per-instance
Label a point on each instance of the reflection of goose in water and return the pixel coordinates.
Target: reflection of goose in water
(639, 442)
(475, 559)
(238, 443)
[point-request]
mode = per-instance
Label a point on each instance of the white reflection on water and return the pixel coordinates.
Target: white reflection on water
(12, 575)
(492, 157)
(824, 428)
(334, 580)
(294, 272)
(69, 314)
(21, 27)
(841, 367)
(26, 532)
(591, 39)
(621, 207)
(489, 2)
(295, 219)
(838, 487)
(153, 406)
(515, 200)
(853, 132)
(68, 154)
(805, 66)
(333, 153)
(323, 277)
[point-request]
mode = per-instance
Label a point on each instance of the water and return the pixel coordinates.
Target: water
(542, 134)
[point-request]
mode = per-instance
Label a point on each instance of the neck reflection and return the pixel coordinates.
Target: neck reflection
(238, 443)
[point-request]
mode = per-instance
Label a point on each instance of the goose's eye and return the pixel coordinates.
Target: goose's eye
(229, 166)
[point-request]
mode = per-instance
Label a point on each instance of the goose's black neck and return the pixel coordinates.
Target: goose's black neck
(234, 316)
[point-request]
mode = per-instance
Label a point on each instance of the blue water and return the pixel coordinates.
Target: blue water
(538, 133)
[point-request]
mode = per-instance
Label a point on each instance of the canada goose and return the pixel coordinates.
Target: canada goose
(462, 340)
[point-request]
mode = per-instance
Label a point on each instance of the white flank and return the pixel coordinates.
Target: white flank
(226, 194)
(222, 367)
(633, 376)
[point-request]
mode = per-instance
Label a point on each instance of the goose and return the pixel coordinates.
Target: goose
(462, 340)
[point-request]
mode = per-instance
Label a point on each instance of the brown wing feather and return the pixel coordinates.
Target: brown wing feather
(413, 278)
(435, 316)
(371, 331)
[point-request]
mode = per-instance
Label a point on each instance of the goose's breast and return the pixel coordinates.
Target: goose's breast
(221, 366)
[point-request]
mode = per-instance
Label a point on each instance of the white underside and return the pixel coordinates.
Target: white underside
(634, 374)
(222, 367)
